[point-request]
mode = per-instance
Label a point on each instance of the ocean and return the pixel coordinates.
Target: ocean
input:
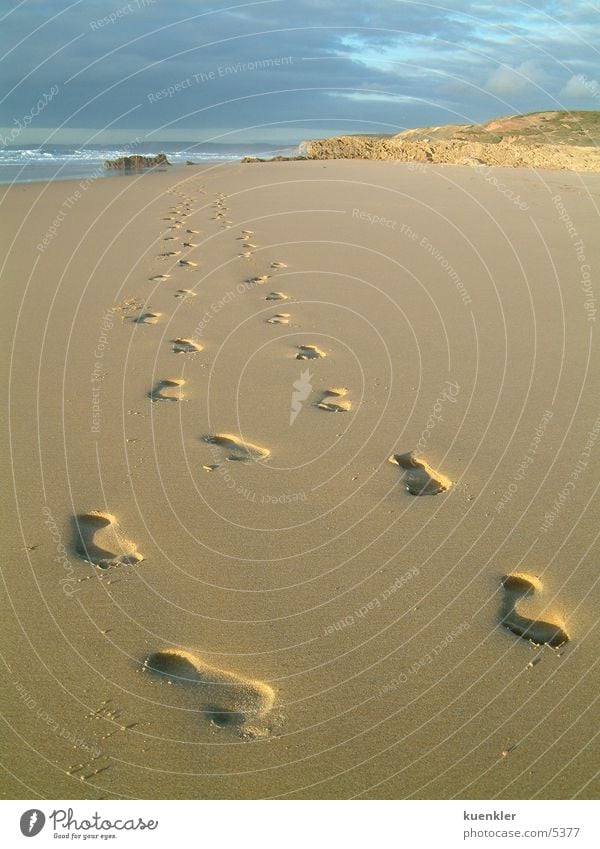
(25, 164)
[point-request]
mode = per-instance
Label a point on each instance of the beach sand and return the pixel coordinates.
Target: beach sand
(217, 584)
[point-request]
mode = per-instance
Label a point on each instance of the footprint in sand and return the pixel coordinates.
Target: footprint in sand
(187, 263)
(148, 318)
(339, 405)
(190, 245)
(160, 277)
(516, 588)
(168, 389)
(186, 346)
(238, 448)
(169, 253)
(276, 296)
(261, 278)
(309, 352)
(193, 232)
(279, 318)
(278, 265)
(184, 293)
(418, 476)
(100, 540)
(226, 699)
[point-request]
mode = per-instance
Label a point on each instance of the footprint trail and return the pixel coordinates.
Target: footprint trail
(309, 352)
(100, 540)
(239, 448)
(540, 631)
(186, 346)
(418, 476)
(279, 318)
(339, 405)
(226, 699)
(168, 389)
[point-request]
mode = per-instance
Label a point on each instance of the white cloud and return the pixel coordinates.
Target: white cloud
(580, 87)
(376, 96)
(510, 81)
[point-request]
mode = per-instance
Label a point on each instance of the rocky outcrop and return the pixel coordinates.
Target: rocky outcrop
(504, 153)
(136, 162)
(556, 140)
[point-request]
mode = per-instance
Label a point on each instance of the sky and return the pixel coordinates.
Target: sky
(280, 71)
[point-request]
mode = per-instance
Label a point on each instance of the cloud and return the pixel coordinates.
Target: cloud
(374, 97)
(520, 80)
(580, 87)
(380, 66)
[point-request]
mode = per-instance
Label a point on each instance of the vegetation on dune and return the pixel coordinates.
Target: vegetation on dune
(580, 128)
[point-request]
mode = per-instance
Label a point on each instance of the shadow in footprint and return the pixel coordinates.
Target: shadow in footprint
(279, 318)
(339, 405)
(418, 477)
(100, 540)
(168, 389)
(186, 346)
(226, 699)
(238, 449)
(147, 318)
(539, 631)
(309, 352)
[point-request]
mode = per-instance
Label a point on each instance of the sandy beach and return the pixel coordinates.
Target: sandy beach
(301, 467)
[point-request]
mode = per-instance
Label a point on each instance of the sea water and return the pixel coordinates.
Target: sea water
(24, 164)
